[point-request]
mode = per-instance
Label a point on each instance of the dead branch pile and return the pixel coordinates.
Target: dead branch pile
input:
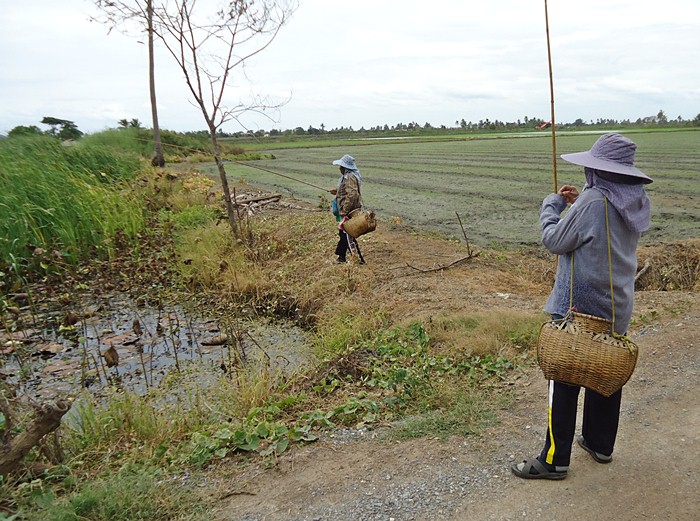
(252, 203)
(355, 364)
(674, 267)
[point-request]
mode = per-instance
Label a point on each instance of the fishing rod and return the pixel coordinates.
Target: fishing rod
(551, 92)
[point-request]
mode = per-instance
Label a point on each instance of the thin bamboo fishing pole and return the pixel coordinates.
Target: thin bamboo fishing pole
(551, 93)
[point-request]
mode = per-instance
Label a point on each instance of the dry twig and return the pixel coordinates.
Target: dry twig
(447, 266)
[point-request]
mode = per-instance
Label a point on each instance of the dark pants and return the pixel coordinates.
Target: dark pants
(345, 243)
(601, 417)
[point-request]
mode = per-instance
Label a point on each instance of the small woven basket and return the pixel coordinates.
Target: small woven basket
(582, 350)
(360, 222)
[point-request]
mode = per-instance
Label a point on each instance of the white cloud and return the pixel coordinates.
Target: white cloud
(368, 63)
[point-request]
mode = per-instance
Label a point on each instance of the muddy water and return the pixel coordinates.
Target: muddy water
(116, 343)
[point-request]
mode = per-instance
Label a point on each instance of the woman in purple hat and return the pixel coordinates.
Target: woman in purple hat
(610, 175)
(347, 198)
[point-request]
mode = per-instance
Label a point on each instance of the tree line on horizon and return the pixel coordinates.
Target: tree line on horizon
(484, 125)
(67, 130)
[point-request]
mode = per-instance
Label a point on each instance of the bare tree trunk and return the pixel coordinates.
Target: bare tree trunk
(208, 53)
(230, 209)
(158, 159)
(47, 419)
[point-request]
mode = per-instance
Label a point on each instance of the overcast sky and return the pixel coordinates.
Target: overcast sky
(364, 63)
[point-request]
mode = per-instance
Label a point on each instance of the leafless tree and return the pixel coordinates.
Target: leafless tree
(121, 14)
(209, 47)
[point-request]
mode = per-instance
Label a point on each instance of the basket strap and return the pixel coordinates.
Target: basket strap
(359, 191)
(571, 283)
(610, 266)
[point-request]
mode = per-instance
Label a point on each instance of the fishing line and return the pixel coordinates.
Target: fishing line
(282, 175)
(239, 163)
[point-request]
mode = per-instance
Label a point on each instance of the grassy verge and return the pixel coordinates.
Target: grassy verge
(177, 147)
(132, 492)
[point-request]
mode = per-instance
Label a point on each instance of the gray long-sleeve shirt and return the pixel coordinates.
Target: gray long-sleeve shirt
(582, 230)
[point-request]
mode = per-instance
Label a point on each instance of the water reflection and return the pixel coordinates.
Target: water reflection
(46, 356)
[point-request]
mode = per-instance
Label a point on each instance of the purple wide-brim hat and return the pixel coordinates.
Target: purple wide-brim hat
(611, 153)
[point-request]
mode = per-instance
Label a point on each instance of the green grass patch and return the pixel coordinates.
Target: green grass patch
(139, 141)
(502, 333)
(397, 374)
(466, 411)
(132, 493)
(178, 147)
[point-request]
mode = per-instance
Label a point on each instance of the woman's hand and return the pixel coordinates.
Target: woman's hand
(333, 191)
(570, 193)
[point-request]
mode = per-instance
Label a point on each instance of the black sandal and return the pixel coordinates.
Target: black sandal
(534, 469)
(599, 457)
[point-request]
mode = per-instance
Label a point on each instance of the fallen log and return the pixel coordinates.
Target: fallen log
(263, 199)
(47, 419)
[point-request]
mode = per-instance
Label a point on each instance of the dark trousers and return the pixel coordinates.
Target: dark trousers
(601, 417)
(347, 242)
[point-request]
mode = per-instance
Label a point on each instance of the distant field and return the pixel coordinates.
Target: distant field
(496, 184)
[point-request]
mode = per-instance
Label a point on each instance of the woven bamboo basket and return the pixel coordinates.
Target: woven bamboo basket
(360, 222)
(581, 350)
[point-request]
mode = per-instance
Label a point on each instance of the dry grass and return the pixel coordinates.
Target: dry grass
(498, 333)
(486, 305)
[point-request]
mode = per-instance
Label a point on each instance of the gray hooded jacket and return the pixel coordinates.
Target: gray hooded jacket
(582, 230)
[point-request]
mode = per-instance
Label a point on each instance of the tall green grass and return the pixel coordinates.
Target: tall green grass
(139, 141)
(68, 200)
(130, 140)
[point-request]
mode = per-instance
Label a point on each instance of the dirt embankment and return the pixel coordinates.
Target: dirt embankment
(358, 475)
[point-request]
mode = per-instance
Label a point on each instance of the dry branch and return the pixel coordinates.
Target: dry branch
(285, 204)
(645, 268)
(447, 266)
(47, 419)
(469, 248)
